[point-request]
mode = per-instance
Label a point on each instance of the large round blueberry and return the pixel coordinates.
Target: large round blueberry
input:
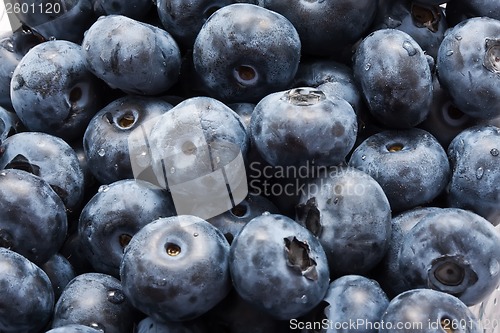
(475, 159)
(279, 266)
(50, 158)
(135, 9)
(114, 214)
(95, 300)
(198, 150)
(244, 52)
(355, 237)
(428, 311)
(395, 78)
(326, 27)
(454, 251)
(468, 65)
(176, 268)
(303, 126)
(410, 165)
(53, 91)
(135, 57)
(27, 296)
(109, 142)
(33, 221)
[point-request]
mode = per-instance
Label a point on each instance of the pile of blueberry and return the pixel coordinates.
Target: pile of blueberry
(249, 166)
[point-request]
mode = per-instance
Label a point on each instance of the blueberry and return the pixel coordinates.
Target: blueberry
(63, 19)
(355, 298)
(410, 165)
(231, 222)
(468, 66)
(97, 301)
(50, 158)
(185, 19)
(279, 266)
(27, 296)
(59, 271)
(121, 51)
(136, 9)
(243, 52)
(176, 268)
(303, 126)
(424, 22)
(461, 10)
(474, 157)
(198, 150)
(52, 90)
(33, 221)
(427, 311)
(454, 251)
(326, 27)
(387, 271)
(355, 237)
(113, 215)
(9, 124)
(107, 139)
(395, 78)
(149, 325)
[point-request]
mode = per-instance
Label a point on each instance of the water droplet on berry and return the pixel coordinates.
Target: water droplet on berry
(457, 37)
(494, 152)
(87, 47)
(103, 188)
(101, 152)
(52, 38)
(479, 173)
(97, 326)
(409, 48)
(449, 53)
(172, 170)
(368, 66)
(266, 213)
(3, 173)
(116, 296)
(363, 157)
(195, 234)
(494, 267)
(303, 299)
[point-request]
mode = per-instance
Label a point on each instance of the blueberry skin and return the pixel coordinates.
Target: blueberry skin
(355, 298)
(59, 271)
(68, 21)
(106, 139)
(387, 271)
(302, 125)
(474, 157)
(184, 19)
(9, 124)
(149, 325)
(428, 311)
(176, 268)
(410, 165)
(231, 222)
(461, 10)
(116, 213)
(468, 67)
(395, 78)
(76, 328)
(50, 158)
(326, 27)
(279, 266)
(454, 251)
(355, 237)
(244, 52)
(27, 295)
(53, 91)
(136, 9)
(95, 300)
(34, 221)
(133, 56)
(424, 22)
(331, 77)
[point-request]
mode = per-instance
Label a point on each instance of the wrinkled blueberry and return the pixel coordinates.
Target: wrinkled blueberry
(279, 266)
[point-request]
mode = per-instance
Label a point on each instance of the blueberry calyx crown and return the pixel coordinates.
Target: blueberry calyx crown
(425, 17)
(304, 96)
(298, 258)
(451, 274)
(492, 56)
